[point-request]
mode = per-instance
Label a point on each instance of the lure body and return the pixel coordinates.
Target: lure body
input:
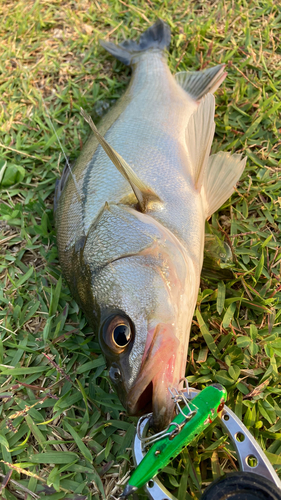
(204, 407)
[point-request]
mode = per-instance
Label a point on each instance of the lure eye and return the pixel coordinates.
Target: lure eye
(118, 333)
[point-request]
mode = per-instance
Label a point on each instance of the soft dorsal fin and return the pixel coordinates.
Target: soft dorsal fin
(214, 176)
(199, 83)
(143, 192)
(199, 136)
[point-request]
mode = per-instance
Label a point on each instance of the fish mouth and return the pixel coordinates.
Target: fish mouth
(144, 402)
(157, 373)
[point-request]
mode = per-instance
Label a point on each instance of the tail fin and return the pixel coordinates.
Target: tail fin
(157, 36)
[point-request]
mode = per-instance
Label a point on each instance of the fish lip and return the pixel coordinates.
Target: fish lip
(157, 361)
(143, 404)
(147, 403)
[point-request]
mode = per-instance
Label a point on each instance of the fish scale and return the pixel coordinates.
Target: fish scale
(145, 143)
(130, 220)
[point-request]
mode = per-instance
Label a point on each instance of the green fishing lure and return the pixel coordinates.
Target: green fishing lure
(190, 421)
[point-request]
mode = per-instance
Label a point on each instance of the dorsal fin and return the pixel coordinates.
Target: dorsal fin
(67, 169)
(143, 192)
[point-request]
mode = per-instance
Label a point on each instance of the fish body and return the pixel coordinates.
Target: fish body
(130, 220)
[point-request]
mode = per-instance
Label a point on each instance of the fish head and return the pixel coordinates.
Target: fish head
(141, 282)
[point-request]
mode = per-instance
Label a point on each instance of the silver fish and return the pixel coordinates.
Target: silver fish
(130, 220)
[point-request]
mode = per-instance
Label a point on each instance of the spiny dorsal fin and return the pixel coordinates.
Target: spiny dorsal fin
(199, 83)
(67, 169)
(143, 192)
(199, 136)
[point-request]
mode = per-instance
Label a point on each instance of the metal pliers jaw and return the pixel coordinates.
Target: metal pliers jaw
(246, 447)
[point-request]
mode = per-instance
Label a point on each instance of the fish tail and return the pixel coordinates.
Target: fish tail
(157, 36)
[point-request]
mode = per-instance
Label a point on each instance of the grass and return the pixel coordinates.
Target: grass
(63, 432)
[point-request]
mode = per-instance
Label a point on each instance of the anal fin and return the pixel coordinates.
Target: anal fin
(199, 83)
(199, 136)
(220, 177)
(214, 176)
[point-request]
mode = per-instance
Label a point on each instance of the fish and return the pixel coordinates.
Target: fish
(130, 217)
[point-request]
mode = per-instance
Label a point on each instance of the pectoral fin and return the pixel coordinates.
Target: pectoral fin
(214, 176)
(143, 192)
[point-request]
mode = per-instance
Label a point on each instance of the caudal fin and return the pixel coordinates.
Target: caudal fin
(157, 36)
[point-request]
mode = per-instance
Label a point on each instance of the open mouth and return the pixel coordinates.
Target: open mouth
(140, 400)
(157, 374)
(155, 398)
(144, 403)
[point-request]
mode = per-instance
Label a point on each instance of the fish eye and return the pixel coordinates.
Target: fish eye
(117, 333)
(121, 335)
